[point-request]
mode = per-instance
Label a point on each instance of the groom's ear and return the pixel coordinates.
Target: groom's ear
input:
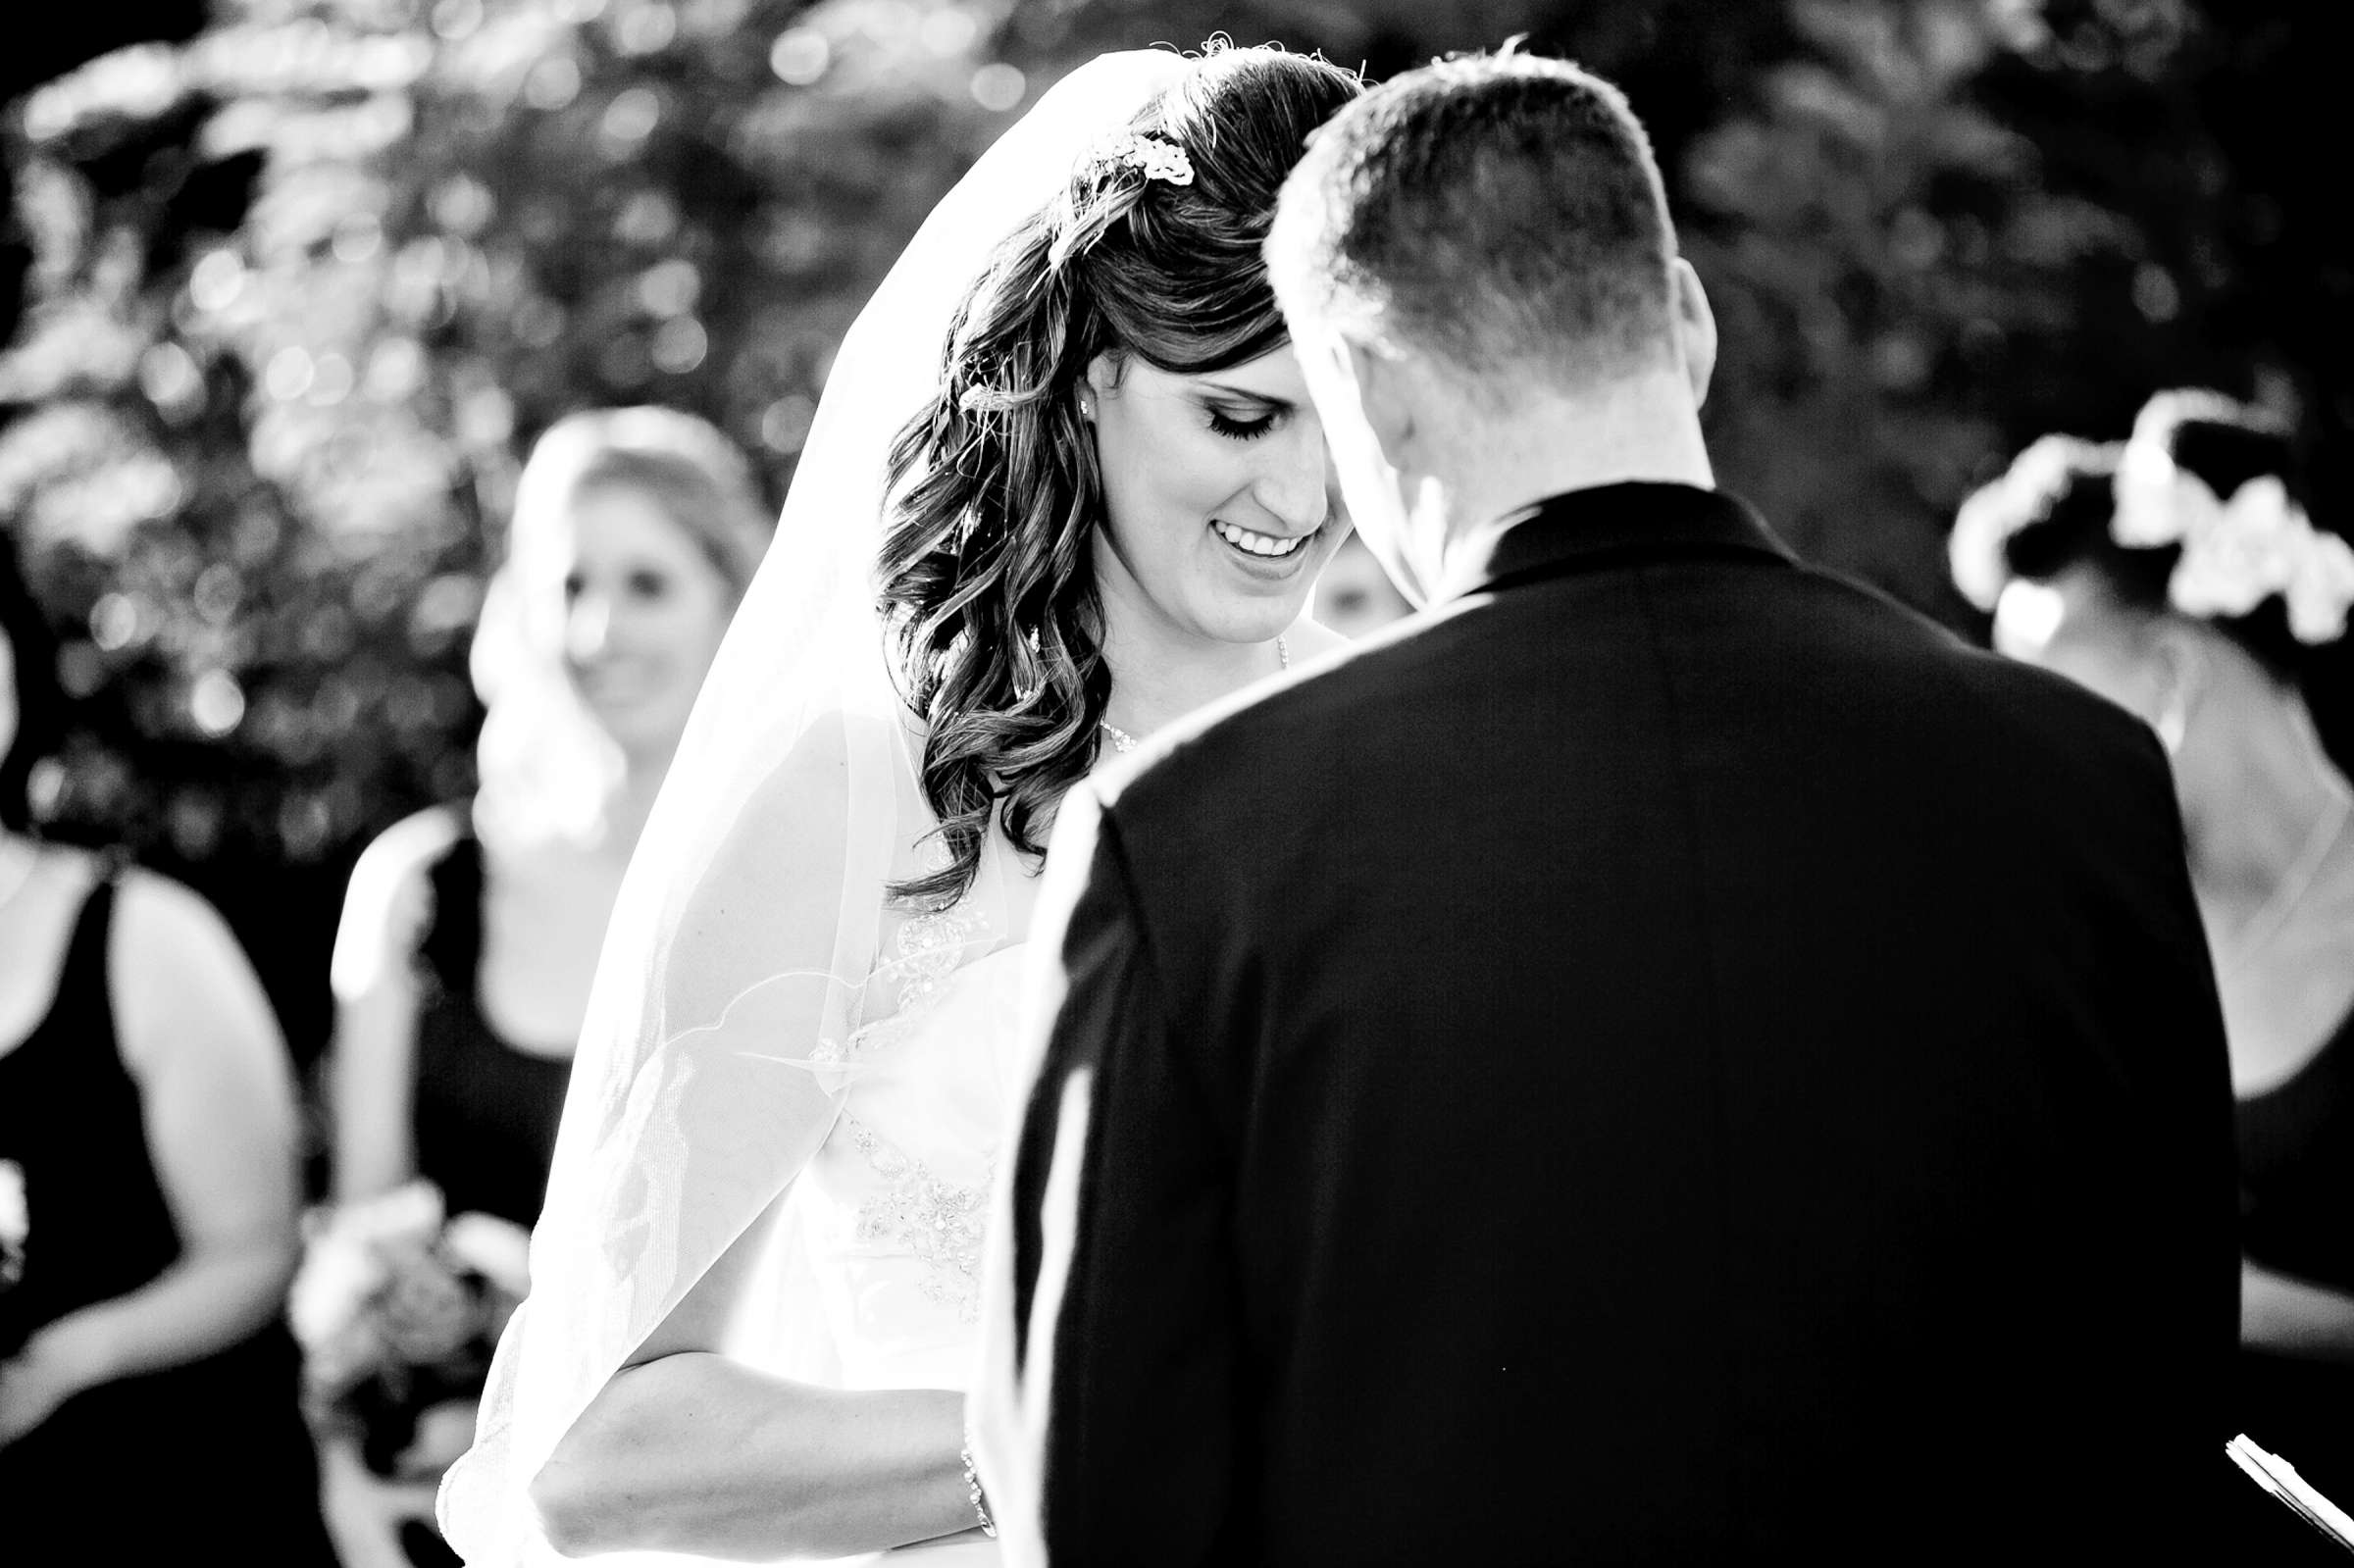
(1695, 327)
(1384, 383)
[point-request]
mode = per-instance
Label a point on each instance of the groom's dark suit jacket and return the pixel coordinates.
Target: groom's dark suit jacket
(1669, 1059)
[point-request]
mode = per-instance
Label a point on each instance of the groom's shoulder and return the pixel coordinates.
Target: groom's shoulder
(1881, 638)
(1908, 635)
(1366, 705)
(1265, 732)
(2014, 709)
(2001, 730)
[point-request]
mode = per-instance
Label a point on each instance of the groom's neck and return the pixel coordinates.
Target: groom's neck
(1551, 443)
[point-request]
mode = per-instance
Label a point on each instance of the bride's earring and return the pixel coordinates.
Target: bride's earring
(1087, 407)
(2170, 729)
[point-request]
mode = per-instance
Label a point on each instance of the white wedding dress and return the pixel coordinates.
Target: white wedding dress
(884, 1239)
(889, 1214)
(892, 1206)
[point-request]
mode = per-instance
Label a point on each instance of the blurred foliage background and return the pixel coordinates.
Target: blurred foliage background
(305, 277)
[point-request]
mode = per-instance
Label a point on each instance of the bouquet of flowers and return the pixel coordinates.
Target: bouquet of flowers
(398, 1308)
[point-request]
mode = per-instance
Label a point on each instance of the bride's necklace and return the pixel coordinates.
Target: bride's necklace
(2296, 881)
(1123, 741)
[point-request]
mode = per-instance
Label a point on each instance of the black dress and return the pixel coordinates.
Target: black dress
(486, 1113)
(207, 1458)
(2296, 1153)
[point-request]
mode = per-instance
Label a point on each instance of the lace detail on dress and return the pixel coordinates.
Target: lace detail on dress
(939, 1222)
(929, 948)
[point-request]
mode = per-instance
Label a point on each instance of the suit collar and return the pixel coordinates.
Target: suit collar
(1610, 524)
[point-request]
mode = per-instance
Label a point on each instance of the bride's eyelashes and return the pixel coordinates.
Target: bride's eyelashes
(1238, 429)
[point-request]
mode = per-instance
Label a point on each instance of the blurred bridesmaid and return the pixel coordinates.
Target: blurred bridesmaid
(148, 1192)
(2179, 576)
(470, 932)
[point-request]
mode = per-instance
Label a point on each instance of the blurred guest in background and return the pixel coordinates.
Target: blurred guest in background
(471, 931)
(1355, 595)
(2179, 576)
(147, 1196)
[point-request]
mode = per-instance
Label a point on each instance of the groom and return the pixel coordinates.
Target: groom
(1666, 1057)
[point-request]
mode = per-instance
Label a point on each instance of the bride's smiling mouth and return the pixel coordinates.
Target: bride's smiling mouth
(1268, 548)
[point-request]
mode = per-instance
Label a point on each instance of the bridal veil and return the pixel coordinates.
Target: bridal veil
(712, 1061)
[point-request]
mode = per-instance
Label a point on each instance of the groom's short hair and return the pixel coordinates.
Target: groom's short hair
(1500, 212)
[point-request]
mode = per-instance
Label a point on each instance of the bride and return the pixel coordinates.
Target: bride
(1065, 485)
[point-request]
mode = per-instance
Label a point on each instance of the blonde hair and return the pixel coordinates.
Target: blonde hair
(545, 766)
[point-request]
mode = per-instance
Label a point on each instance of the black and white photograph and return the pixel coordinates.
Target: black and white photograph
(1032, 783)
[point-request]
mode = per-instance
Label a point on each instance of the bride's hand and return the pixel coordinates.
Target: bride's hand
(687, 1450)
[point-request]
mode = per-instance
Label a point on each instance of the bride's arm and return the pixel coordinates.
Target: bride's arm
(688, 1451)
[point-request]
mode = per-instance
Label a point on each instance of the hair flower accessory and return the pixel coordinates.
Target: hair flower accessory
(2236, 553)
(2020, 499)
(1158, 157)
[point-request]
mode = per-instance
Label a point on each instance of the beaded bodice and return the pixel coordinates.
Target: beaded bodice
(892, 1207)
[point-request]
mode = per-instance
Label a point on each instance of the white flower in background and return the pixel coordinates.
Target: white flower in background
(2026, 616)
(338, 1277)
(409, 1214)
(2321, 590)
(424, 1313)
(1994, 512)
(2154, 506)
(354, 1253)
(499, 1250)
(2236, 553)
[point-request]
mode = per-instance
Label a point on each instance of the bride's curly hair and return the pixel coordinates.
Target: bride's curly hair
(986, 577)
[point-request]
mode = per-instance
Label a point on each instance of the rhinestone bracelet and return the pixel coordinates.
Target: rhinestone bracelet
(972, 1487)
